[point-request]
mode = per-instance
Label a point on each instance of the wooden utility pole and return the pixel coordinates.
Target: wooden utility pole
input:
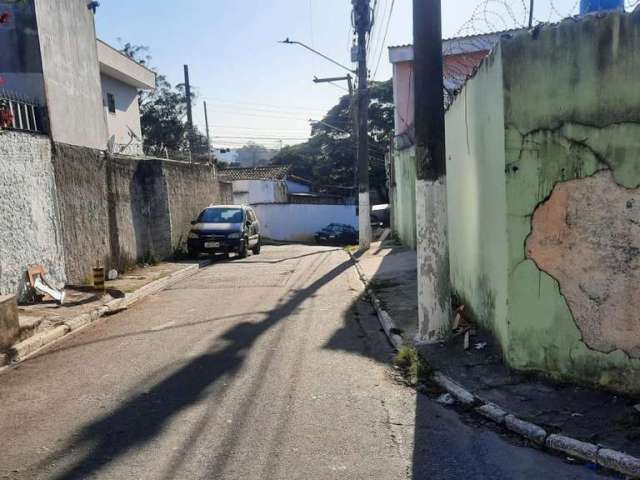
(434, 291)
(187, 94)
(362, 18)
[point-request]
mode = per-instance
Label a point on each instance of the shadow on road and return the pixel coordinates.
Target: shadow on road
(143, 417)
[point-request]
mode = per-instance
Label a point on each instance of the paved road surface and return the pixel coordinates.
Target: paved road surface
(265, 368)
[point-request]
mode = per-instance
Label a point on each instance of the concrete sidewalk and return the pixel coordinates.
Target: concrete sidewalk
(389, 269)
(604, 421)
(46, 322)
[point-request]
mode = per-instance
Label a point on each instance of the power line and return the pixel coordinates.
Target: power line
(288, 107)
(384, 38)
(239, 137)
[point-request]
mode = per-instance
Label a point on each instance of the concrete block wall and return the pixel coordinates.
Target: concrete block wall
(191, 188)
(30, 222)
(118, 210)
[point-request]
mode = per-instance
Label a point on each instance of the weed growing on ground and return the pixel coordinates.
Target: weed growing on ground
(413, 366)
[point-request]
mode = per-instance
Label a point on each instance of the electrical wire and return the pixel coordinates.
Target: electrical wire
(384, 38)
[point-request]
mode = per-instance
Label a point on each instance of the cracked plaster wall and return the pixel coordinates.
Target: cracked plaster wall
(572, 115)
(550, 113)
(587, 237)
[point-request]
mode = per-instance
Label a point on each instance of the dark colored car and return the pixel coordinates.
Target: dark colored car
(337, 234)
(225, 229)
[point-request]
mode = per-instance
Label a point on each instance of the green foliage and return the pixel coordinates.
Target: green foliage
(328, 158)
(163, 112)
(412, 365)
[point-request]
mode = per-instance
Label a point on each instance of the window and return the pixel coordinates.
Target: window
(111, 103)
(221, 215)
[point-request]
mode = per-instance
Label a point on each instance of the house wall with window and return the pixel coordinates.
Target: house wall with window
(122, 111)
(121, 80)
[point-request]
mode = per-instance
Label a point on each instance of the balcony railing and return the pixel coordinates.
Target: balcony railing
(18, 113)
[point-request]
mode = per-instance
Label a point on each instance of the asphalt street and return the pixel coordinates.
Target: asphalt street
(271, 367)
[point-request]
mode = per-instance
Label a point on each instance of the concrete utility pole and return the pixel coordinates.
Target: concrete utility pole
(206, 123)
(187, 94)
(434, 291)
(362, 18)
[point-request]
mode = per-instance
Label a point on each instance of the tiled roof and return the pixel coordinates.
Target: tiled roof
(256, 173)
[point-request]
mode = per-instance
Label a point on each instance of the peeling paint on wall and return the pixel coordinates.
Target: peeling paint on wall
(587, 237)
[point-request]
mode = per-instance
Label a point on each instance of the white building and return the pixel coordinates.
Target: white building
(88, 90)
(122, 79)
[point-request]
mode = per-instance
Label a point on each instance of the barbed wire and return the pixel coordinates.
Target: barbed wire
(490, 19)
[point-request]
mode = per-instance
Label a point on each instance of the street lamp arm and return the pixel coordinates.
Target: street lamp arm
(293, 42)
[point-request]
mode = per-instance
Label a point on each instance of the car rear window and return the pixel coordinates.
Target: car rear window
(221, 215)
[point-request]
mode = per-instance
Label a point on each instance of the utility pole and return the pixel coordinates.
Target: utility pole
(434, 290)
(531, 7)
(206, 122)
(354, 116)
(362, 18)
(187, 94)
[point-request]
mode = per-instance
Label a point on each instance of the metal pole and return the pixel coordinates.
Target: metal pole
(531, 5)
(362, 15)
(434, 291)
(187, 92)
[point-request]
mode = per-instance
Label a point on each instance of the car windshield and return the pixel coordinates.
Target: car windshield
(221, 215)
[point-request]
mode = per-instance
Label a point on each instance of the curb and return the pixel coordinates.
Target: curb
(388, 325)
(23, 350)
(599, 455)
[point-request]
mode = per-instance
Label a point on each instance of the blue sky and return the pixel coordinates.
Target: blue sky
(258, 88)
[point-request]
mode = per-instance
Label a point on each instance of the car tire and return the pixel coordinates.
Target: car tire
(256, 249)
(193, 254)
(244, 249)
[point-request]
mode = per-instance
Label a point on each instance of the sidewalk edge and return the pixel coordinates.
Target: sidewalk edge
(386, 320)
(32, 345)
(610, 459)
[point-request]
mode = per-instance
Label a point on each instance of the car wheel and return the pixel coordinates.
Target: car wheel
(244, 249)
(193, 254)
(256, 249)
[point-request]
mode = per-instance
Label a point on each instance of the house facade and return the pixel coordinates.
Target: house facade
(263, 185)
(121, 80)
(68, 79)
(286, 205)
(461, 57)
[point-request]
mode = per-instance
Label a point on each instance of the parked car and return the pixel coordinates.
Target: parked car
(337, 234)
(380, 215)
(225, 229)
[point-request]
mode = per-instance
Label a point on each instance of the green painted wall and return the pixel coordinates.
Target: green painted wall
(572, 108)
(404, 196)
(477, 197)
(540, 111)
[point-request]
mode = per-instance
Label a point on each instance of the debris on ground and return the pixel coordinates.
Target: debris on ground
(43, 291)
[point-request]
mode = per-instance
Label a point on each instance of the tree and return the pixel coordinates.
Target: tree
(163, 112)
(328, 157)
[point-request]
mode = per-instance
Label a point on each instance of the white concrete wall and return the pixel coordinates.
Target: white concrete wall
(30, 226)
(295, 187)
(298, 222)
(115, 64)
(127, 115)
(254, 192)
(71, 73)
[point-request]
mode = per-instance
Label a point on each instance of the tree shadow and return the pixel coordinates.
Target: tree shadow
(143, 417)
